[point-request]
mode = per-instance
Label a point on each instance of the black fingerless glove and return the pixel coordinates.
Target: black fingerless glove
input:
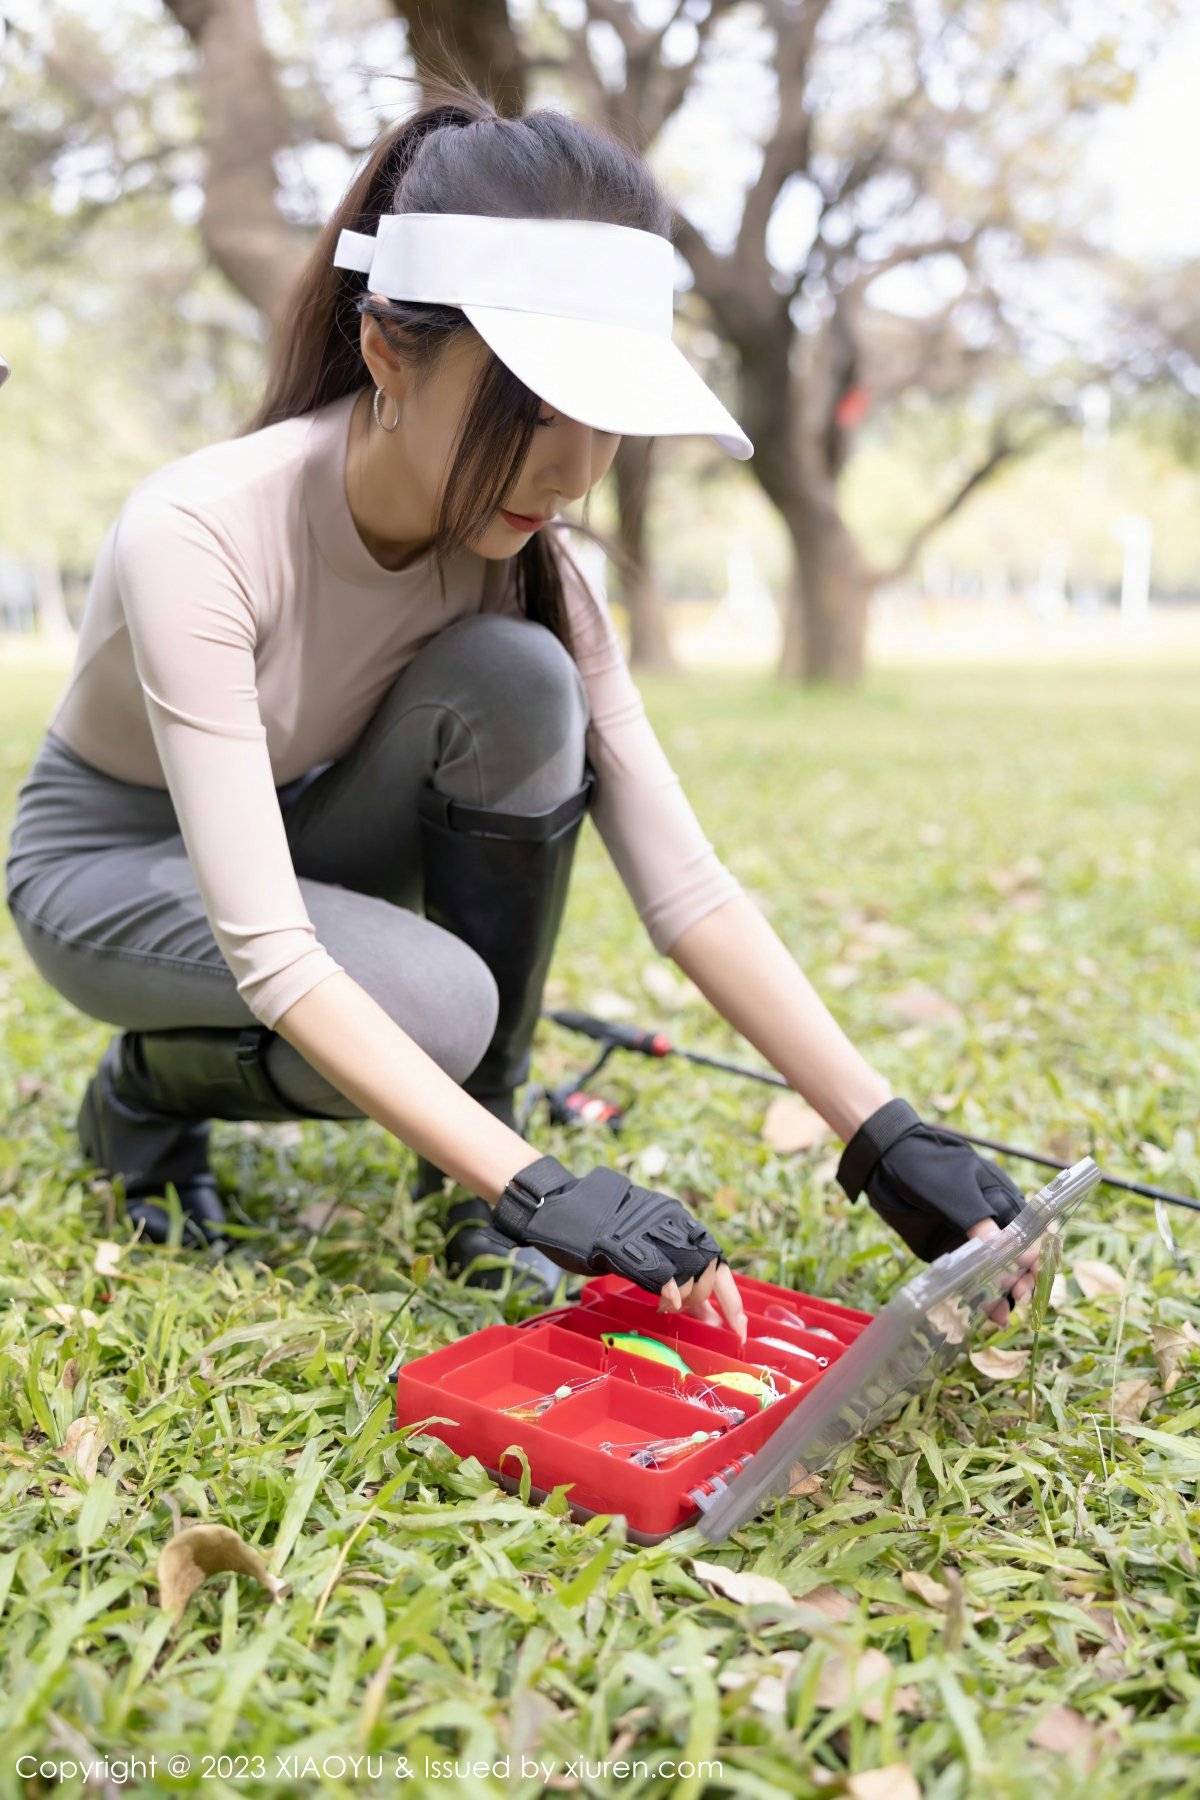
(603, 1224)
(926, 1184)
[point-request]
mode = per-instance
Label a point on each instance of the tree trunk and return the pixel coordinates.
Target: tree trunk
(476, 36)
(245, 124)
(826, 624)
(649, 634)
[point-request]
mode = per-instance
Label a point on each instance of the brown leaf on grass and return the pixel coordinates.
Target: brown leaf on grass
(951, 1318)
(803, 1483)
(933, 1593)
(829, 1602)
(107, 1257)
(769, 1693)
(83, 1444)
(1098, 1278)
(31, 1087)
(674, 992)
(919, 1004)
(1131, 1398)
(69, 1378)
(198, 1551)
(1000, 1365)
(66, 1314)
(743, 1585)
(1171, 1344)
(894, 1782)
(1063, 1730)
(845, 1676)
(792, 1125)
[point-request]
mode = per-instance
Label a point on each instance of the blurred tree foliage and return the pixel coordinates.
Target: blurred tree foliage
(906, 294)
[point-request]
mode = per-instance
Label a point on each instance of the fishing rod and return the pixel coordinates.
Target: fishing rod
(570, 1104)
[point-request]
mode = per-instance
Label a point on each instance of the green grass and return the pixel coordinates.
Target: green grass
(1034, 837)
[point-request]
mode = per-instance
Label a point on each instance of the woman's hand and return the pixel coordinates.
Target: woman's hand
(604, 1224)
(926, 1184)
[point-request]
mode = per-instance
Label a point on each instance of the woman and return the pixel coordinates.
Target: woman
(303, 820)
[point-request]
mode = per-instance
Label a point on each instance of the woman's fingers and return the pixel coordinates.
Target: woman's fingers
(1023, 1286)
(696, 1298)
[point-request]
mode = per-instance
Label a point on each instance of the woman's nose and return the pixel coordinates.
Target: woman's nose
(568, 470)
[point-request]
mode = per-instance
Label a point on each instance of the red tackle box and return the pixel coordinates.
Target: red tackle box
(844, 1371)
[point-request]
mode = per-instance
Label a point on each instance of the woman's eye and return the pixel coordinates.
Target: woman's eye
(552, 420)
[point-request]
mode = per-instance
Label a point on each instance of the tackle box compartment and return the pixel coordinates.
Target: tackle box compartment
(842, 1371)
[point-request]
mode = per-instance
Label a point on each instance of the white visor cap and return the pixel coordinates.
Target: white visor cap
(580, 311)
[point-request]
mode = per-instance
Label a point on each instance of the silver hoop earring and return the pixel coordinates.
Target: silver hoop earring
(379, 394)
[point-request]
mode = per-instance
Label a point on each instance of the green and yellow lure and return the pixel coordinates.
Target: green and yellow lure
(634, 1344)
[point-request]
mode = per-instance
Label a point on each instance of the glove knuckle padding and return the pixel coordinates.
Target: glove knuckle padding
(931, 1189)
(604, 1223)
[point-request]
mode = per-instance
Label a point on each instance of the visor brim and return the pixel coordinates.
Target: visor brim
(611, 377)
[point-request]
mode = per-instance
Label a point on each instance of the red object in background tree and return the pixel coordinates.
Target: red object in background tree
(852, 408)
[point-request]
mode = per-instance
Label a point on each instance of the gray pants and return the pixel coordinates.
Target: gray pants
(492, 710)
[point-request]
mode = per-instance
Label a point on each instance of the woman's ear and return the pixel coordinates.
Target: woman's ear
(386, 368)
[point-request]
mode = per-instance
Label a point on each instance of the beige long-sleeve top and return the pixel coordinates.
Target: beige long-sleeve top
(238, 632)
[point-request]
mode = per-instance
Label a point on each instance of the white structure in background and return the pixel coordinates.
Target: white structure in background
(1135, 533)
(744, 626)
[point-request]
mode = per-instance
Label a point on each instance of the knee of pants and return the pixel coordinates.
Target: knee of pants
(448, 1004)
(529, 678)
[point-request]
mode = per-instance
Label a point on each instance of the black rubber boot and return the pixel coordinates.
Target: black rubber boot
(145, 1117)
(499, 881)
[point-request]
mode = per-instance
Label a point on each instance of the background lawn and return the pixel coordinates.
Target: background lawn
(993, 877)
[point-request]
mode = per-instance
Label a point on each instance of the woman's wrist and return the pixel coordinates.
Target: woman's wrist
(855, 1102)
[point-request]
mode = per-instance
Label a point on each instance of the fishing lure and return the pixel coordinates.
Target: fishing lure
(786, 1316)
(662, 1451)
(634, 1343)
(528, 1410)
(794, 1350)
(763, 1387)
(707, 1396)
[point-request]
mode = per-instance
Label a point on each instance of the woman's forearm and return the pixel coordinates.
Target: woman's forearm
(743, 967)
(348, 1038)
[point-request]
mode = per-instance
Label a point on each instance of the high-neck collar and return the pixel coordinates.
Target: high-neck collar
(329, 514)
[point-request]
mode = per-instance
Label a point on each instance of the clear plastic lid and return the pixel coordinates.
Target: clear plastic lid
(921, 1329)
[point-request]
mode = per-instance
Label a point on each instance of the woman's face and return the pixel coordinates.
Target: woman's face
(565, 459)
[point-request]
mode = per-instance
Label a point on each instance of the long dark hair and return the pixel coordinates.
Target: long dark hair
(457, 154)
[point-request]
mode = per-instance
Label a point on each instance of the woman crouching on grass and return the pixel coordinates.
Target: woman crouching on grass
(302, 823)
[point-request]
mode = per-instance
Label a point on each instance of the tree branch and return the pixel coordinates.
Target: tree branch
(1003, 447)
(788, 150)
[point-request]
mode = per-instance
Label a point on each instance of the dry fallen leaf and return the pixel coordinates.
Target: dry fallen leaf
(607, 1005)
(1062, 1730)
(1000, 1365)
(1098, 1278)
(894, 1782)
(802, 1483)
(919, 1004)
(672, 991)
(827, 1601)
(952, 1318)
(107, 1257)
(1131, 1398)
(769, 1692)
(83, 1444)
(66, 1314)
(1171, 1345)
(844, 1677)
(791, 1124)
(743, 1585)
(202, 1550)
(933, 1593)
